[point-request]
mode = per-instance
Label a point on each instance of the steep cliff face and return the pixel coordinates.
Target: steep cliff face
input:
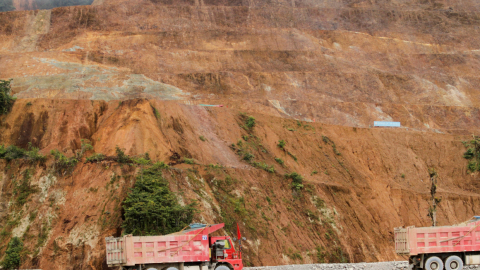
(336, 62)
(358, 183)
(315, 74)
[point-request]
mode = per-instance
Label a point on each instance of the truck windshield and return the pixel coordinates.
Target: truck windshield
(225, 242)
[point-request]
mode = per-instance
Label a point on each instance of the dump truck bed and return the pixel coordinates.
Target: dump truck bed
(413, 241)
(187, 246)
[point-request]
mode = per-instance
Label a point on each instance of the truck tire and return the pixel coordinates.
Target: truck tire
(434, 263)
(222, 267)
(453, 263)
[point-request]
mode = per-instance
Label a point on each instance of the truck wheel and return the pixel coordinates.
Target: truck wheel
(454, 263)
(434, 263)
(222, 267)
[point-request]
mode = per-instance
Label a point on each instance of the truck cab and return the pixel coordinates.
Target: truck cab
(223, 252)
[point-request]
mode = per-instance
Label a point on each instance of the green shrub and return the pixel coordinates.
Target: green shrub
(202, 138)
(281, 144)
(33, 154)
(121, 156)
(215, 166)
(157, 113)
(264, 166)
(12, 258)
(472, 166)
(295, 256)
(6, 101)
(24, 188)
(152, 209)
(320, 254)
(293, 156)
(190, 161)
(86, 146)
(279, 161)
(142, 161)
(297, 180)
(250, 122)
(469, 154)
(248, 156)
(473, 154)
(63, 164)
(95, 158)
(11, 152)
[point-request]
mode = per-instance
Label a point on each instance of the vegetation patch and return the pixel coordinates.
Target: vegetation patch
(248, 121)
(190, 161)
(152, 209)
(12, 258)
(6, 100)
(24, 189)
(233, 206)
(293, 156)
(473, 154)
(295, 256)
(320, 254)
(13, 152)
(330, 142)
(63, 164)
(121, 156)
(297, 180)
(264, 166)
(97, 157)
(281, 144)
(86, 146)
(156, 113)
(247, 156)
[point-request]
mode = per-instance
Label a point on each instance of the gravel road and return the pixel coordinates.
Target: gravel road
(401, 265)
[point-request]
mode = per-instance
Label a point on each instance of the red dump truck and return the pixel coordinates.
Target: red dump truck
(437, 248)
(190, 249)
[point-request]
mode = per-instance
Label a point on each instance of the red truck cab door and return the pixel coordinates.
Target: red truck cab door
(232, 258)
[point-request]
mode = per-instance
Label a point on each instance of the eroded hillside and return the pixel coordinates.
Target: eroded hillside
(337, 62)
(314, 74)
(358, 183)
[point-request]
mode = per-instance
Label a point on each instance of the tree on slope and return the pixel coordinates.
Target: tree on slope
(12, 258)
(6, 5)
(6, 100)
(152, 209)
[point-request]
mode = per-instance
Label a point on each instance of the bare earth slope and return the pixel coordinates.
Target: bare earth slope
(358, 185)
(337, 62)
(132, 74)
